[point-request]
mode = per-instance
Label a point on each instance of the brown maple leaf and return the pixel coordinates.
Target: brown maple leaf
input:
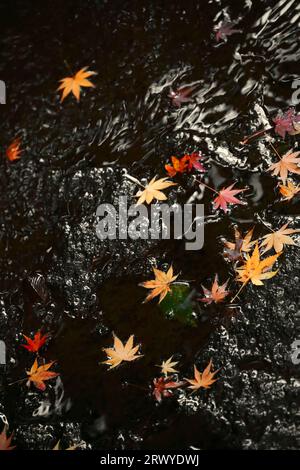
(162, 387)
(233, 250)
(204, 379)
(74, 84)
(33, 345)
(227, 196)
(160, 285)
(216, 294)
(5, 442)
(167, 367)
(256, 270)
(13, 152)
(288, 163)
(153, 190)
(278, 239)
(289, 191)
(39, 374)
(121, 352)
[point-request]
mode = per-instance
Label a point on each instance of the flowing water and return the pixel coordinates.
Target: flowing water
(75, 156)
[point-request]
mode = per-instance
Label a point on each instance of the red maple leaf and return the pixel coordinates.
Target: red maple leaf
(287, 123)
(185, 164)
(162, 387)
(227, 196)
(33, 345)
(181, 95)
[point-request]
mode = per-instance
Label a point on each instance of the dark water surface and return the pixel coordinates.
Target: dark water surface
(74, 158)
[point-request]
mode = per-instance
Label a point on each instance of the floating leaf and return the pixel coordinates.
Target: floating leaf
(255, 269)
(167, 367)
(160, 286)
(13, 152)
(217, 293)
(288, 163)
(39, 374)
(289, 191)
(278, 239)
(153, 191)
(121, 352)
(227, 196)
(33, 345)
(163, 387)
(74, 84)
(204, 379)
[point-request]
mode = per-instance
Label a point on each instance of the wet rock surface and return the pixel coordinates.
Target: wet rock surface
(75, 156)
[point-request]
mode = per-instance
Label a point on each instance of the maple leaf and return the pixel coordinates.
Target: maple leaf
(5, 442)
(216, 294)
(160, 285)
(287, 123)
(278, 239)
(289, 191)
(181, 95)
(227, 196)
(13, 152)
(167, 367)
(193, 161)
(33, 345)
(121, 352)
(38, 374)
(204, 379)
(162, 387)
(224, 30)
(185, 164)
(255, 269)
(233, 250)
(288, 162)
(74, 84)
(179, 165)
(153, 190)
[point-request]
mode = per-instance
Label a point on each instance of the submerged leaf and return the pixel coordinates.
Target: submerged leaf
(13, 152)
(5, 441)
(163, 387)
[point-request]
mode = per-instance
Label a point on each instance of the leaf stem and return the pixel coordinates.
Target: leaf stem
(238, 292)
(134, 180)
(206, 185)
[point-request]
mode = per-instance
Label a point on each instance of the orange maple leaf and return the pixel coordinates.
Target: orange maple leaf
(277, 239)
(5, 442)
(204, 379)
(256, 270)
(74, 84)
(179, 165)
(13, 152)
(121, 352)
(289, 191)
(216, 294)
(36, 343)
(227, 196)
(160, 285)
(288, 163)
(38, 374)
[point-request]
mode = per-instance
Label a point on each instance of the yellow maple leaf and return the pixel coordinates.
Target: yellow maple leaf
(256, 270)
(289, 190)
(204, 379)
(278, 239)
(288, 163)
(167, 367)
(74, 84)
(153, 190)
(160, 285)
(121, 352)
(38, 374)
